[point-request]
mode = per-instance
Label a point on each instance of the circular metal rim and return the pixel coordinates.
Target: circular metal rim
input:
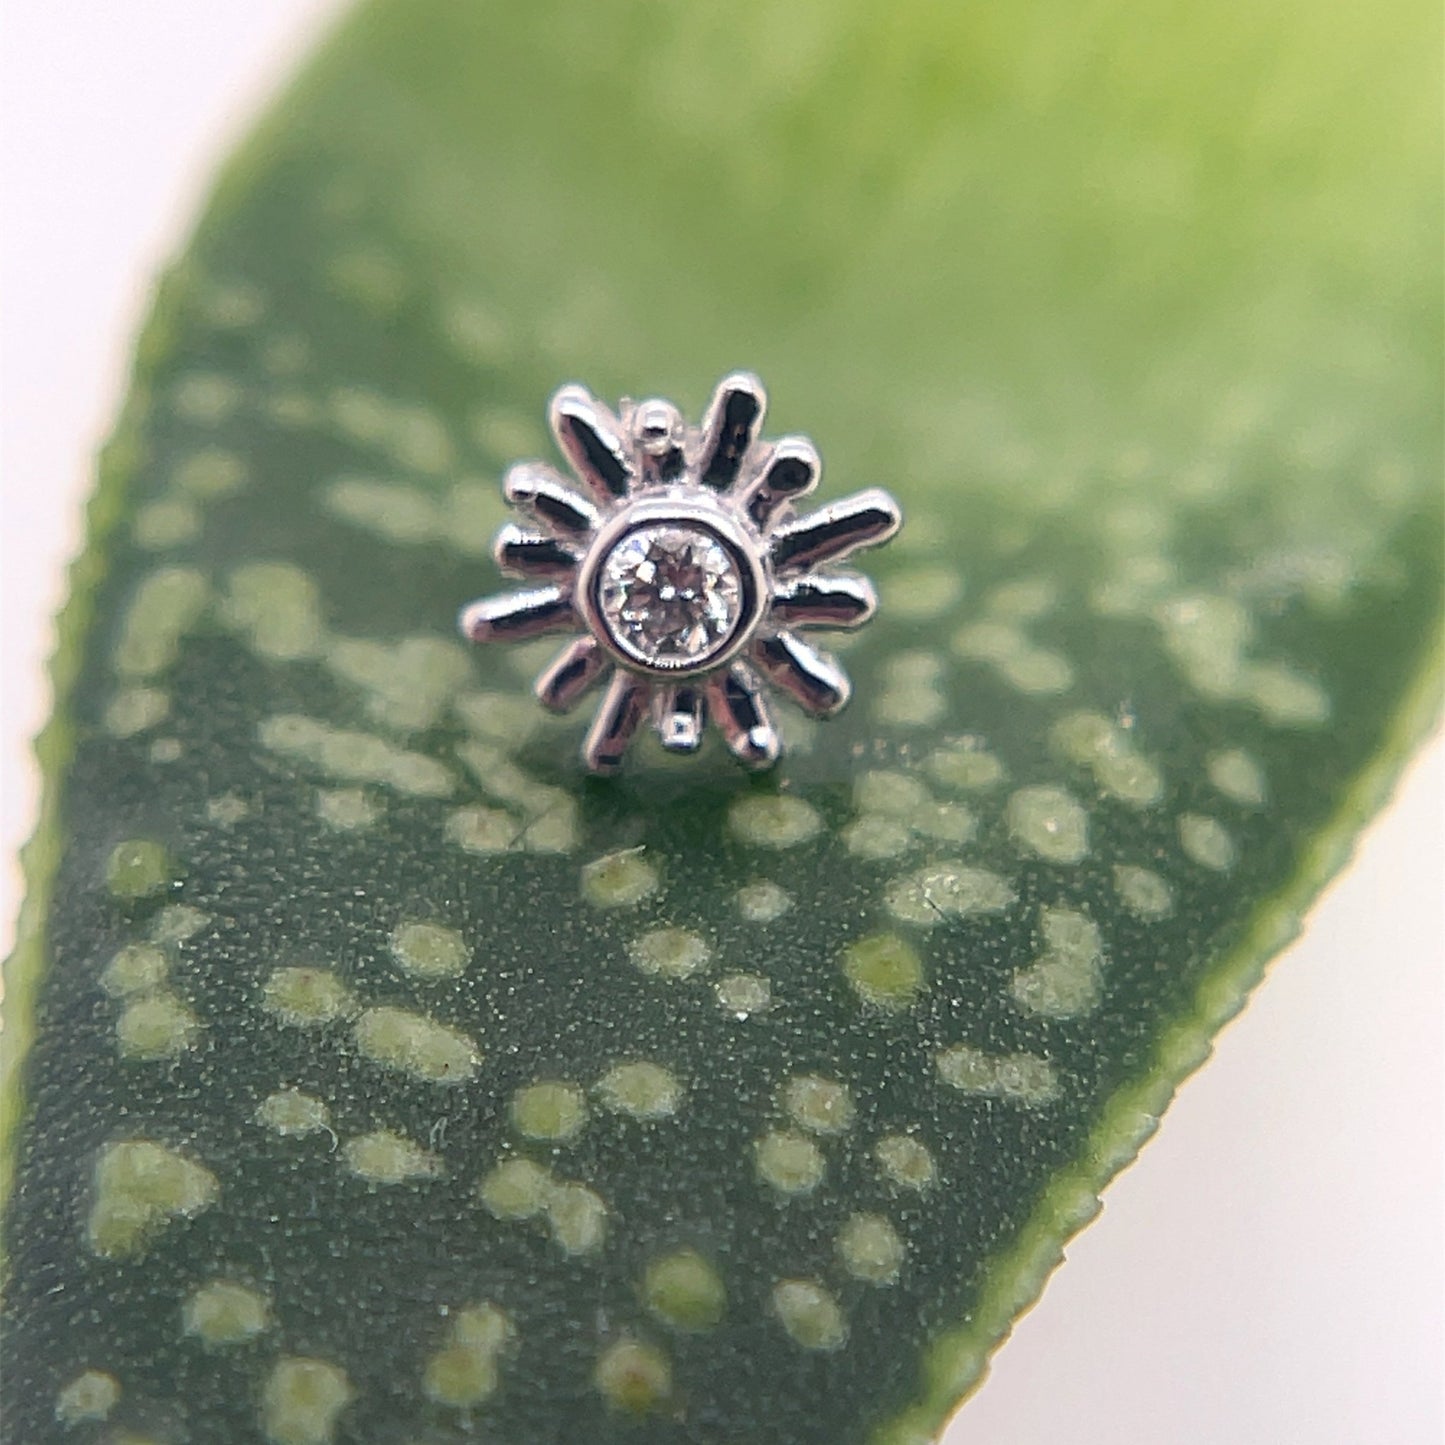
(701, 515)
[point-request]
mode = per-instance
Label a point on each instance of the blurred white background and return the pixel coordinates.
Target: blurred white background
(1269, 1273)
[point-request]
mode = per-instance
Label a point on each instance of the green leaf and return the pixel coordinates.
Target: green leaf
(371, 1074)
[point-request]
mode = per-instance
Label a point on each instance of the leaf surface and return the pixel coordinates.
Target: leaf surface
(386, 1079)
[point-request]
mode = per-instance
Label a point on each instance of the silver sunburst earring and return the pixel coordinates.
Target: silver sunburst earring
(684, 567)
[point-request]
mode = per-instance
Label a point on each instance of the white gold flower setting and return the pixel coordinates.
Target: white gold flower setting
(679, 559)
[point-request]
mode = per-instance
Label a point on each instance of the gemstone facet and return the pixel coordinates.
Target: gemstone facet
(670, 596)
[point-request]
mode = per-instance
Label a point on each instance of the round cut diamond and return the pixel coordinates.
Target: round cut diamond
(671, 595)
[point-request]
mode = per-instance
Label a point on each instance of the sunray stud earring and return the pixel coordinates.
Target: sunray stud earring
(679, 559)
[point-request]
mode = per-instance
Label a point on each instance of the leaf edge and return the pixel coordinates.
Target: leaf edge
(956, 1364)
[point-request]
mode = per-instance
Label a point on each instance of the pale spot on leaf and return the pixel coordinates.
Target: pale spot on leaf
(385, 1157)
(277, 607)
(1049, 822)
(302, 1401)
(136, 709)
(875, 837)
(355, 756)
(136, 969)
(1037, 671)
(1065, 979)
(884, 970)
(643, 1090)
(226, 1314)
(1143, 892)
(177, 922)
(416, 1045)
(966, 766)
(139, 1186)
(405, 685)
(209, 473)
(410, 434)
(227, 810)
(397, 513)
(927, 590)
(1209, 639)
(464, 1372)
(619, 880)
(292, 1114)
(167, 523)
(947, 889)
(1285, 697)
(669, 952)
(138, 868)
(516, 1189)
(472, 325)
(1023, 1078)
(773, 820)
(1238, 776)
(307, 997)
(348, 810)
(158, 1026)
(232, 305)
(744, 994)
(577, 1217)
(822, 1106)
(905, 1161)
(163, 609)
(870, 1248)
(1108, 751)
(550, 1110)
(763, 902)
(894, 795)
(502, 718)
(90, 1396)
(789, 1161)
(205, 397)
(1206, 842)
(634, 1378)
(371, 278)
(429, 950)
(1023, 599)
(908, 694)
(685, 1291)
(1028, 667)
(810, 1314)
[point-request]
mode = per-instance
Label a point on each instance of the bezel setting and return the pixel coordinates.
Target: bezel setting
(701, 517)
